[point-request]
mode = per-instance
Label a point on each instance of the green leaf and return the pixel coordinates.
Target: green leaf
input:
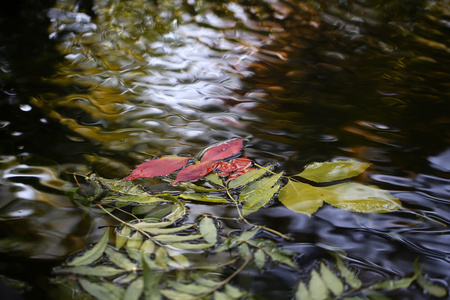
(332, 281)
(317, 287)
(208, 230)
(433, 289)
(333, 170)
(361, 198)
(120, 259)
(244, 251)
(175, 295)
(93, 254)
(247, 178)
(151, 281)
(394, 284)
(197, 188)
(168, 238)
(221, 296)
(259, 193)
(142, 198)
(142, 209)
(233, 292)
(145, 226)
(203, 198)
(349, 276)
(260, 259)
(135, 241)
(162, 258)
(214, 178)
(192, 289)
(179, 261)
(102, 291)
(168, 230)
(94, 271)
(118, 186)
(302, 198)
(148, 246)
(188, 246)
(134, 290)
(302, 292)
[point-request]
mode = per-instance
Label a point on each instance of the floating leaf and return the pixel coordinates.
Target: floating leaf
(170, 238)
(223, 150)
(302, 198)
(246, 178)
(158, 167)
(120, 259)
(153, 230)
(214, 178)
(188, 246)
(134, 290)
(92, 254)
(233, 292)
(302, 292)
(135, 241)
(194, 172)
(361, 198)
(334, 170)
(192, 289)
(244, 251)
(259, 193)
(148, 246)
(142, 198)
(197, 188)
(149, 225)
(102, 291)
(333, 282)
(122, 236)
(103, 271)
(179, 261)
(260, 259)
(349, 276)
(317, 287)
(433, 289)
(175, 295)
(208, 230)
(203, 198)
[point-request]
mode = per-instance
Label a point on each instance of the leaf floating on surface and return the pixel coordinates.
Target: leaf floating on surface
(361, 198)
(334, 170)
(158, 167)
(302, 198)
(103, 271)
(102, 291)
(92, 254)
(194, 172)
(246, 178)
(203, 198)
(208, 230)
(333, 282)
(222, 151)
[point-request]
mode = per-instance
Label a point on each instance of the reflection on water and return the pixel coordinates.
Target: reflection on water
(304, 81)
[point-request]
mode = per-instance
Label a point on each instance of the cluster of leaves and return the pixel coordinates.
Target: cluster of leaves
(158, 254)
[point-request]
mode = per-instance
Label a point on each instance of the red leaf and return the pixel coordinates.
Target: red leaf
(223, 151)
(196, 171)
(240, 163)
(224, 167)
(158, 167)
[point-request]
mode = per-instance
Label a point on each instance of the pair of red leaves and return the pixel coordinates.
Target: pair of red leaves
(208, 163)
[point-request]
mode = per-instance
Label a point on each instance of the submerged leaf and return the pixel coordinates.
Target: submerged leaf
(92, 254)
(302, 198)
(223, 150)
(361, 198)
(158, 167)
(333, 170)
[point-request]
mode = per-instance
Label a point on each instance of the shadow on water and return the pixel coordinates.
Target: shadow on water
(113, 84)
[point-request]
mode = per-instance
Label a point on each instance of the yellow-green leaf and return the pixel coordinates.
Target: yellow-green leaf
(203, 198)
(169, 238)
(302, 292)
(93, 254)
(260, 259)
(122, 236)
(349, 276)
(332, 281)
(317, 287)
(333, 170)
(432, 288)
(93, 271)
(302, 198)
(120, 259)
(246, 178)
(142, 198)
(134, 290)
(102, 291)
(361, 198)
(208, 230)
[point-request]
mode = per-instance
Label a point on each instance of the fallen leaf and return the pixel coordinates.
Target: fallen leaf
(196, 171)
(223, 151)
(158, 167)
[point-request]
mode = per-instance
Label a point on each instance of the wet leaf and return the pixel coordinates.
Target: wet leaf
(197, 188)
(103, 271)
(244, 251)
(302, 198)
(332, 281)
(151, 281)
(122, 236)
(222, 151)
(361, 198)
(246, 178)
(317, 287)
(149, 225)
(203, 198)
(260, 259)
(214, 178)
(259, 193)
(142, 198)
(170, 238)
(334, 170)
(302, 292)
(433, 289)
(153, 230)
(148, 246)
(192, 289)
(349, 276)
(208, 230)
(175, 295)
(162, 258)
(179, 261)
(134, 290)
(106, 291)
(93, 254)
(233, 292)
(120, 259)
(135, 241)
(188, 246)
(194, 172)
(158, 167)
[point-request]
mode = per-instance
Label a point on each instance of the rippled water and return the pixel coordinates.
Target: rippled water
(304, 81)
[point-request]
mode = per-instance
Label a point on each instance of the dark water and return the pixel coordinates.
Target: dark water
(103, 87)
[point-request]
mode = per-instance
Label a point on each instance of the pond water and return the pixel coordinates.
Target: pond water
(104, 86)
